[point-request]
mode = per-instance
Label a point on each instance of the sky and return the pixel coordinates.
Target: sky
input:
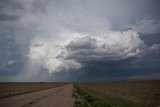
(79, 40)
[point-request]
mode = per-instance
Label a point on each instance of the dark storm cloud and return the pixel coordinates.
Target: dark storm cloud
(4, 17)
(146, 67)
(10, 56)
(150, 39)
(10, 10)
(78, 40)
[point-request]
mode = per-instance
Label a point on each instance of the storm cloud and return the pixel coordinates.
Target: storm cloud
(79, 40)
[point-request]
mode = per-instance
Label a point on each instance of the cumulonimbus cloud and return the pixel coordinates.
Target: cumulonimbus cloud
(58, 36)
(110, 47)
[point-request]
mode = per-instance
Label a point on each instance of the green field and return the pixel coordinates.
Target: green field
(118, 94)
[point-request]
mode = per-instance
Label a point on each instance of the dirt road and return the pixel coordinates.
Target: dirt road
(55, 97)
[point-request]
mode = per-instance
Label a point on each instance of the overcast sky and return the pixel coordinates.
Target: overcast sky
(79, 40)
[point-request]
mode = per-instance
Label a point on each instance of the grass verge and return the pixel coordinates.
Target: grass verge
(87, 97)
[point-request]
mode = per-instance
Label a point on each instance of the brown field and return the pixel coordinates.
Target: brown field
(146, 92)
(11, 89)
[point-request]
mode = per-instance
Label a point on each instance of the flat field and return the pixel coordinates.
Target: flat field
(12, 88)
(119, 94)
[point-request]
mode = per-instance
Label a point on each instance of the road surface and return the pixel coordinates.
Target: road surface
(55, 97)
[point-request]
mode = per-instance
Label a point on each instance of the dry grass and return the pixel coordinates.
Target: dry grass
(11, 89)
(146, 92)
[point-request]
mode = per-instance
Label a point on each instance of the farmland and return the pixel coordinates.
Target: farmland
(91, 94)
(11, 89)
(119, 94)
